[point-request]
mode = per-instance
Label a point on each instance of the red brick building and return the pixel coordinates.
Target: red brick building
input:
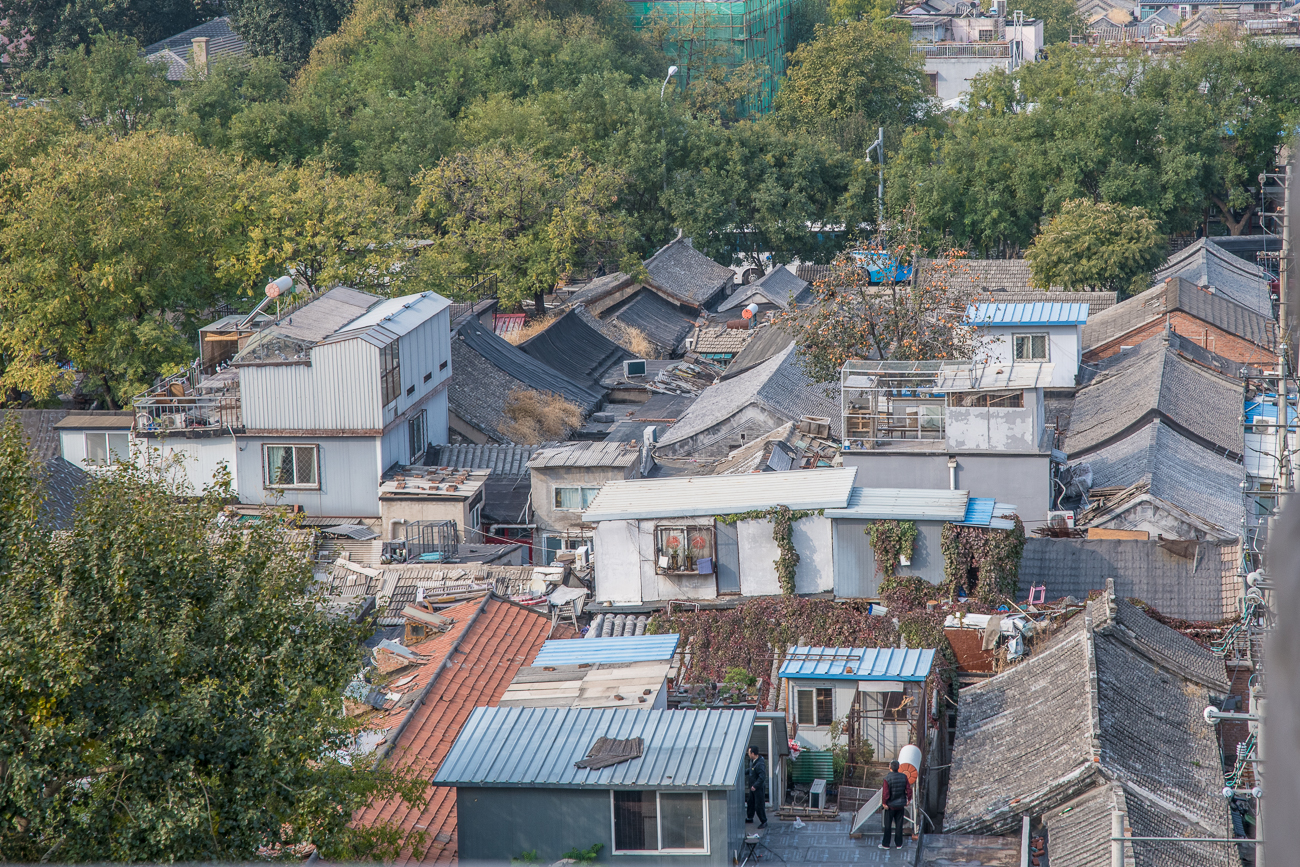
(1208, 319)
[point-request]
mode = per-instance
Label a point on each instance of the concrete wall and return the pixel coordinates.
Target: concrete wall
(1021, 480)
(406, 510)
(1064, 348)
(497, 824)
(546, 479)
(1149, 515)
(953, 74)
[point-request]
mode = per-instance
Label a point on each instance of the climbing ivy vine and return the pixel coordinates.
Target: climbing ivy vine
(782, 518)
(993, 555)
(891, 540)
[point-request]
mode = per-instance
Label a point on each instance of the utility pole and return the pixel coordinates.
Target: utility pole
(879, 147)
(1283, 346)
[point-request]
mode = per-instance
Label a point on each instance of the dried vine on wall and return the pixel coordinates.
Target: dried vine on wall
(993, 556)
(891, 540)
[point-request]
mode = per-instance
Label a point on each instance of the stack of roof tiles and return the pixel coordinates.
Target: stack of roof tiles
(1112, 704)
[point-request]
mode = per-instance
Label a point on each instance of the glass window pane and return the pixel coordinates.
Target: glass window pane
(681, 820)
(279, 465)
(567, 498)
(306, 465)
(97, 449)
(1040, 346)
(1022, 348)
(824, 707)
(589, 494)
(119, 446)
(806, 717)
(635, 821)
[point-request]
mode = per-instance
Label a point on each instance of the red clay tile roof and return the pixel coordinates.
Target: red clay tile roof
(492, 647)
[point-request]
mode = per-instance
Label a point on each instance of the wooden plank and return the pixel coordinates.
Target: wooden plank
(1100, 533)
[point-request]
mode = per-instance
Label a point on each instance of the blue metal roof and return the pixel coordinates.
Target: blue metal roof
(979, 511)
(857, 663)
(536, 747)
(638, 648)
(1054, 313)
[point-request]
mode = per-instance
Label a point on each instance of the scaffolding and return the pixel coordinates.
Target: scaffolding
(698, 35)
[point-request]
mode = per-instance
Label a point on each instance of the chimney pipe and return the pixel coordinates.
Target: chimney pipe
(199, 54)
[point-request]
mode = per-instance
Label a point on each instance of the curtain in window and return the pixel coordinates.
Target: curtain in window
(568, 498)
(635, 821)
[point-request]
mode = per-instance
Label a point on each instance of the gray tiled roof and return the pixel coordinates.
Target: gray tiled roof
(1167, 647)
(780, 287)
(1148, 819)
(1186, 587)
(575, 349)
(478, 390)
(1093, 707)
(1176, 470)
(39, 429)
(684, 272)
(63, 484)
(1178, 294)
(1206, 264)
(223, 42)
(1156, 381)
(1096, 301)
(779, 384)
(767, 341)
(509, 459)
(664, 323)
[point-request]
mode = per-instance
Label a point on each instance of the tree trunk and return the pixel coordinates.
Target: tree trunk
(539, 302)
(1235, 227)
(108, 394)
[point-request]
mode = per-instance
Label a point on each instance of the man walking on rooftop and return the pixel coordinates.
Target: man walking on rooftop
(756, 788)
(895, 795)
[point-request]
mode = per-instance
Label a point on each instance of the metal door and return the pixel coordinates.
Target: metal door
(855, 564)
(728, 565)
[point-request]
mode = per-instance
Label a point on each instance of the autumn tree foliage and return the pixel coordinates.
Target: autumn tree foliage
(852, 317)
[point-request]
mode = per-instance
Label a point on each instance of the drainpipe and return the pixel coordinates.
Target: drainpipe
(952, 472)
(392, 527)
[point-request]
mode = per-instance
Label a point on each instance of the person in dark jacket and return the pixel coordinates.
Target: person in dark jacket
(895, 795)
(756, 788)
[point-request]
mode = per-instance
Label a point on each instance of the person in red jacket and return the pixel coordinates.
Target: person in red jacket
(895, 795)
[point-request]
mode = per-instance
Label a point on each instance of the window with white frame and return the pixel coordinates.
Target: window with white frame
(1030, 347)
(390, 373)
(681, 548)
(574, 498)
(291, 466)
(417, 433)
(106, 449)
(661, 822)
(814, 707)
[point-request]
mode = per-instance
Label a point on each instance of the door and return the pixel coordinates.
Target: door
(728, 559)
(855, 564)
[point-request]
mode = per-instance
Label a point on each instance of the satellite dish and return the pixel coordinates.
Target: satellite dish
(279, 286)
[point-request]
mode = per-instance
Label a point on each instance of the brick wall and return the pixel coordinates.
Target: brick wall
(1216, 340)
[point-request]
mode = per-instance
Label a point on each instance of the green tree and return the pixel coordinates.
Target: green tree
(1060, 18)
(529, 222)
(286, 30)
(754, 188)
(852, 78)
(1096, 245)
(44, 29)
(110, 253)
(108, 87)
(171, 691)
(327, 229)
(207, 104)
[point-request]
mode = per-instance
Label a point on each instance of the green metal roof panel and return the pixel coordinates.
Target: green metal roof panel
(537, 747)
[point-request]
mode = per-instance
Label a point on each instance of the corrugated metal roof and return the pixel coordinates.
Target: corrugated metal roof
(638, 648)
(970, 376)
(904, 504)
(586, 454)
(397, 315)
(979, 510)
(537, 748)
(687, 496)
(858, 663)
(1046, 313)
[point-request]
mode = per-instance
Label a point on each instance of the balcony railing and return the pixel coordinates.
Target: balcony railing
(966, 49)
(189, 401)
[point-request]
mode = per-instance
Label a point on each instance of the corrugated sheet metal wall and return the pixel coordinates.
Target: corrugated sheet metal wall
(198, 459)
(855, 563)
(339, 390)
(349, 476)
(421, 351)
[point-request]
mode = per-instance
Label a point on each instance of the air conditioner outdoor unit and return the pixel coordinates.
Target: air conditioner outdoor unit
(1066, 517)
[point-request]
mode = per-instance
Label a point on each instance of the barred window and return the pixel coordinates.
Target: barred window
(291, 467)
(390, 373)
